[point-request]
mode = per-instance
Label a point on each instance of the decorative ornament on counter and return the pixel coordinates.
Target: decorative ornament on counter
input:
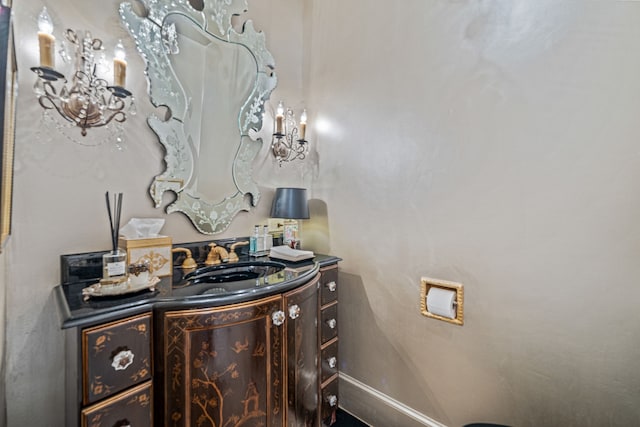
(121, 288)
(139, 272)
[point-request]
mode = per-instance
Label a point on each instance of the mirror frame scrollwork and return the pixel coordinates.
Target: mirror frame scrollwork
(156, 40)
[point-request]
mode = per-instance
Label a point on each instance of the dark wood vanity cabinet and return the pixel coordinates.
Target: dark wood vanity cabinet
(268, 362)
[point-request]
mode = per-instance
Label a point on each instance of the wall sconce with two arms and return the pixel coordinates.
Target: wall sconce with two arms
(289, 140)
(87, 101)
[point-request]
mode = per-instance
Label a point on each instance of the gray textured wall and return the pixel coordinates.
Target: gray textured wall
(494, 143)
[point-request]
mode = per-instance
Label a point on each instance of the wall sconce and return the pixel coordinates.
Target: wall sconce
(88, 102)
(288, 142)
(291, 205)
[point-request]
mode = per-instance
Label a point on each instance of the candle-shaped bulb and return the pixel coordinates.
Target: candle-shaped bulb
(119, 51)
(303, 124)
(45, 24)
(119, 65)
(279, 117)
(46, 41)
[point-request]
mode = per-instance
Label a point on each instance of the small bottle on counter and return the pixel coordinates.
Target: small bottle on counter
(253, 241)
(268, 239)
(259, 242)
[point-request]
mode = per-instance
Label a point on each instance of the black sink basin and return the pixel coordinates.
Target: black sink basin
(224, 273)
(223, 277)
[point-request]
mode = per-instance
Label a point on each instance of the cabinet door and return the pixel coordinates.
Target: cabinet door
(223, 366)
(301, 307)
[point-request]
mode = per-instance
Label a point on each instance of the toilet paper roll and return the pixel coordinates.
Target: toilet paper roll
(441, 302)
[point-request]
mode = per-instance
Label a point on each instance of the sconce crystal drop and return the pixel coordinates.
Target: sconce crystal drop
(288, 142)
(87, 101)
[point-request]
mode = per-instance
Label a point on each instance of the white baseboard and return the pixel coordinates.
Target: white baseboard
(376, 408)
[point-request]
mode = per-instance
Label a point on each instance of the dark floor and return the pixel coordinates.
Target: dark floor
(344, 419)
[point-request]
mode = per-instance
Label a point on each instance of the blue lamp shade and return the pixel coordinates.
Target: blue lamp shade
(290, 203)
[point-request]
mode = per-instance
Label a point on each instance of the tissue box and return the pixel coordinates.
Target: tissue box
(156, 250)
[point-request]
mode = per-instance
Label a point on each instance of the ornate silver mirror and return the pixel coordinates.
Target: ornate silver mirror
(213, 81)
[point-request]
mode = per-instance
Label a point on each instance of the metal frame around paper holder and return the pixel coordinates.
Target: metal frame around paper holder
(427, 283)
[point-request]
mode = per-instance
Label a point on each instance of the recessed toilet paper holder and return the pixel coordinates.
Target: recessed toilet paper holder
(426, 283)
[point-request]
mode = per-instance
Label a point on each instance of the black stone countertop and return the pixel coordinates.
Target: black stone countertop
(174, 292)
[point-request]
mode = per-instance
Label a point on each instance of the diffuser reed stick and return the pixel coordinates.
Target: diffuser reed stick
(106, 195)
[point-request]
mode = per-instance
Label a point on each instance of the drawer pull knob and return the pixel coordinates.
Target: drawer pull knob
(332, 323)
(278, 317)
(122, 360)
(332, 286)
(332, 399)
(332, 361)
(294, 311)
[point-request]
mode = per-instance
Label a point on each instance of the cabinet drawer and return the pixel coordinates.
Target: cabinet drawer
(115, 356)
(329, 328)
(131, 408)
(328, 285)
(329, 360)
(329, 402)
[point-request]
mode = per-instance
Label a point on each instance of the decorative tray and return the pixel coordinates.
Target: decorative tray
(122, 288)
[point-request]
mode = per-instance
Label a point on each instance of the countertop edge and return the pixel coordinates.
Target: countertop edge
(155, 301)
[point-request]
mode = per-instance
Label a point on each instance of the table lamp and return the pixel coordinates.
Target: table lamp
(291, 205)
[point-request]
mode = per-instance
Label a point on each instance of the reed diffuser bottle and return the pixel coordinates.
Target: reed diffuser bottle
(114, 265)
(114, 262)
